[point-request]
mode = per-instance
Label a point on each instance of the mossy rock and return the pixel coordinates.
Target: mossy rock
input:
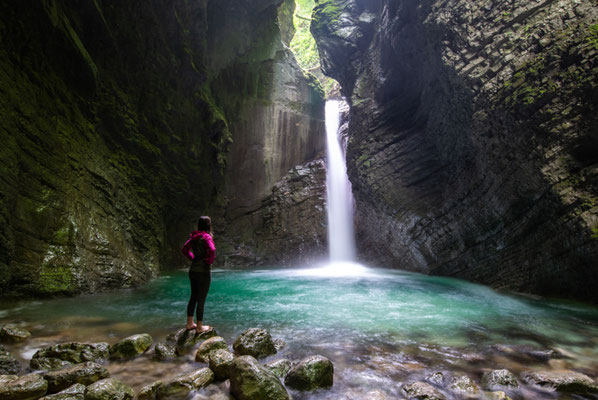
(313, 372)
(71, 352)
(563, 381)
(280, 367)
(148, 392)
(499, 378)
(9, 365)
(184, 339)
(179, 388)
(26, 387)
(13, 334)
(208, 346)
(220, 361)
(108, 389)
(255, 342)
(422, 391)
(164, 351)
(130, 347)
(464, 384)
(249, 380)
(48, 364)
(75, 392)
(85, 374)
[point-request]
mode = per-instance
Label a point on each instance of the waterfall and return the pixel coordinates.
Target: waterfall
(341, 239)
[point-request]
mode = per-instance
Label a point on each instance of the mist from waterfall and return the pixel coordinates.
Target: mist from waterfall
(341, 238)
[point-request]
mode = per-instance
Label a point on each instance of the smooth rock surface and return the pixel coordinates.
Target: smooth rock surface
(148, 392)
(563, 381)
(208, 346)
(250, 380)
(255, 342)
(130, 347)
(27, 387)
(108, 389)
(311, 373)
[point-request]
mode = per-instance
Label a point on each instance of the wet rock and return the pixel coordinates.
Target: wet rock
(75, 392)
(130, 347)
(437, 378)
(375, 395)
(563, 381)
(164, 351)
(26, 387)
(251, 381)
(85, 374)
(464, 384)
(422, 391)
(61, 355)
(280, 367)
(313, 372)
(148, 392)
(13, 334)
(496, 396)
(220, 361)
(9, 365)
(183, 340)
(179, 388)
(210, 345)
(109, 389)
(279, 344)
(255, 342)
(499, 378)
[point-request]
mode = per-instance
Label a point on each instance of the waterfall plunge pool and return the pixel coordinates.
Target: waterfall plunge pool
(381, 328)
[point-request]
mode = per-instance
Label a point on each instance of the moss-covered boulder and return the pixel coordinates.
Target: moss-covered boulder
(9, 365)
(313, 372)
(184, 339)
(164, 351)
(422, 391)
(61, 355)
(563, 381)
(85, 374)
(249, 380)
(148, 392)
(109, 389)
(180, 387)
(499, 378)
(13, 334)
(280, 367)
(208, 346)
(255, 342)
(27, 387)
(75, 392)
(220, 361)
(130, 347)
(465, 385)
(499, 395)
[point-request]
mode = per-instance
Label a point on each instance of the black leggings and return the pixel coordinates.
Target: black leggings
(200, 284)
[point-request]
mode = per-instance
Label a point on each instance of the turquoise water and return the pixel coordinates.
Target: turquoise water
(380, 327)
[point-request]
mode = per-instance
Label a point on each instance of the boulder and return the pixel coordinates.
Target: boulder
(50, 357)
(130, 347)
(183, 340)
(109, 389)
(13, 334)
(85, 374)
(496, 396)
(562, 381)
(220, 361)
(148, 392)
(179, 388)
(255, 342)
(422, 391)
(280, 367)
(251, 381)
(164, 351)
(279, 344)
(32, 386)
(75, 392)
(208, 346)
(465, 385)
(499, 378)
(9, 365)
(311, 373)
(437, 378)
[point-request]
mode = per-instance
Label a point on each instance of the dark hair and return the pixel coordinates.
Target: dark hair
(205, 224)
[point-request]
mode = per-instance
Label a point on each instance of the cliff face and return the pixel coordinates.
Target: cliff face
(117, 120)
(473, 136)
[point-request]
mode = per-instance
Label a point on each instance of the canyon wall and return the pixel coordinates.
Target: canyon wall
(473, 136)
(118, 120)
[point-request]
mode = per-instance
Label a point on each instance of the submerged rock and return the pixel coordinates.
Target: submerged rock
(184, 339)
(85, 374)
(26, 387)
(563, 381)
(130, 347)
(250, 380)
(255, 342)
(61, 355)
(313, 372)
(75, 392)
(464, 384)
(280, 367)
(148, 392)
(437, 378)
(13, 334)
(499, 378)
(375, 395)
(279, 344)
(496, 396)
(109, 389)
(220, 361)
(210, 345)
(9, 365)
(164, 351)
(422, 391)
(180, 387)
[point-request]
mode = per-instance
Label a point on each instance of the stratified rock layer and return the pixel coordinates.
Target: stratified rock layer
(473, 149)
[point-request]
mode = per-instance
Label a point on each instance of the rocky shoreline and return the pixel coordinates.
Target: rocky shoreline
(249, 369)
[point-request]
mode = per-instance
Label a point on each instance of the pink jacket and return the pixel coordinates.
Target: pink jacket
(210, 248)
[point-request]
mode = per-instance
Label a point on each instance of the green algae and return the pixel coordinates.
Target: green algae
(325, 14)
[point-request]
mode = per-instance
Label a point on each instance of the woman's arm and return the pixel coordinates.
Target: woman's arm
(187, 250)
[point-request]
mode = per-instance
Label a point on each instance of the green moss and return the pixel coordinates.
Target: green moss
(595, 232)
(593, 36)
(325, 14)
(56, 280)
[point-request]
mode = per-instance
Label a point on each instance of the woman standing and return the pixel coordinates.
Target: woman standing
(200, 249)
